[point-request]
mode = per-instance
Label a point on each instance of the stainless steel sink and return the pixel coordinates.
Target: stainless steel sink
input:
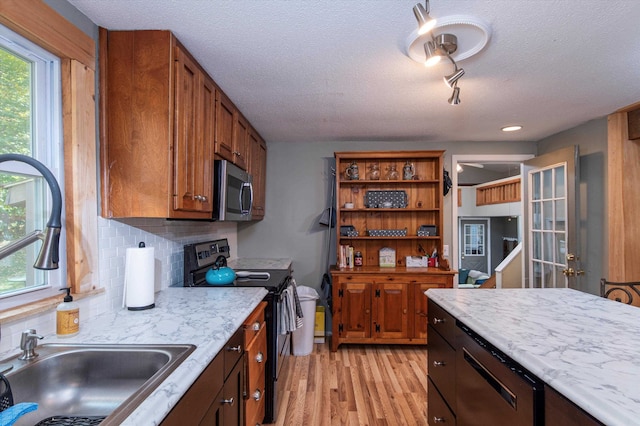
(76, 380)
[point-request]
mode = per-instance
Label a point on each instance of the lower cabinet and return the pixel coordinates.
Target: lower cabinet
(467, 393)
(255, 342)
(216, 397)
(381, 307)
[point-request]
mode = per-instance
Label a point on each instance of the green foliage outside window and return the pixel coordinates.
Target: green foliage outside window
(15, 137)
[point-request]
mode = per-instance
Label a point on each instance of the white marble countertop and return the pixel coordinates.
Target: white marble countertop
(259, 263)
(586, 347)
(204, 316)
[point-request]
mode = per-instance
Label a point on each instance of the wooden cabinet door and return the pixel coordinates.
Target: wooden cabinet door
(241, 142)
(356, 310)
(232, 393)
(391, 310)
(194, 137)
(186, 132)
(258, 170)
(420, 311)
(204, 157)
(224, 126)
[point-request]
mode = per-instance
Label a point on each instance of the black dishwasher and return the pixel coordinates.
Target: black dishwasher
(493, 389)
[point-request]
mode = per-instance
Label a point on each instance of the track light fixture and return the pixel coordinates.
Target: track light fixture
(429, 47)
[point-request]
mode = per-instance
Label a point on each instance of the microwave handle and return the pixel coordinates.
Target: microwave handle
(246, 186)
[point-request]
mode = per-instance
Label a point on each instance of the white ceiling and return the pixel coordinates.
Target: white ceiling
(332, 70)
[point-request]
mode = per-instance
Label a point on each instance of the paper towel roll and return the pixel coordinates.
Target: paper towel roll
(139, 278)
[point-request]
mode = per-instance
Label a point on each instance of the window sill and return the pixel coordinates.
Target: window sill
(40, 306)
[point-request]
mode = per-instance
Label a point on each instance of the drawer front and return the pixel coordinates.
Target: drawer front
(440, 320)
(233, 351)
(437, 410)
(254, 323)
(257, 359)
(442, 366)
(254, 407)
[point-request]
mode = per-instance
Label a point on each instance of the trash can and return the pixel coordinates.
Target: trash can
(303, 337)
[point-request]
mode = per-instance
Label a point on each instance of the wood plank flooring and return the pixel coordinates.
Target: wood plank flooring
(356, 386)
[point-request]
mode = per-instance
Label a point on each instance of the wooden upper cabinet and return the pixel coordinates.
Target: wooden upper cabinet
(157, 145)
(241, 142)
(194, 112)
(225, 116)
(258, 170)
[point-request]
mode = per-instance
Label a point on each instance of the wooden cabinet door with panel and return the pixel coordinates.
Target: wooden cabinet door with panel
(258, 171)
(241, 142)
(391, 309)
(355, 314)
(420, 302)
(225, 116)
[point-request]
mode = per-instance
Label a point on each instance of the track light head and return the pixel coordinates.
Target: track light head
(455, 96)
(432, 53)
(452, 79)
(425, 22)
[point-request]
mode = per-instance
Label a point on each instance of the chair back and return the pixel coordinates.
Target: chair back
(623, 292)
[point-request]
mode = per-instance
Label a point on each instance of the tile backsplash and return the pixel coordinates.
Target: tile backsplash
(115, 236)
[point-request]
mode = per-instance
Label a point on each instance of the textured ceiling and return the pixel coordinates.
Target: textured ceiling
(328, 70)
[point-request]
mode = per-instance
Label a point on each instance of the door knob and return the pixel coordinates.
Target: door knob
(570, 272)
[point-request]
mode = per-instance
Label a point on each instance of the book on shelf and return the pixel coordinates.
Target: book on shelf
(345, 256)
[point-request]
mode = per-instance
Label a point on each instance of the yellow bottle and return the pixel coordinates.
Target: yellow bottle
(67, 316)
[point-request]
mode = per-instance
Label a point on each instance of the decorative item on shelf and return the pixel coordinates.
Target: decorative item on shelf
(408, 171)
(352, 172)
(388, 232)
(387, 257)
(374, 171)
(392, 172)
(348, 231)
(427, 231)
(348, 205)
(380, 199)
(357, 258)
(417, 261)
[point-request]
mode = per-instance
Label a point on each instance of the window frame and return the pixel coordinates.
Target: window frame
(47, 147)
(41, 24)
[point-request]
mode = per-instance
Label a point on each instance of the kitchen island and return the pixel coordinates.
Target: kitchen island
(205, 317)
(585, 347)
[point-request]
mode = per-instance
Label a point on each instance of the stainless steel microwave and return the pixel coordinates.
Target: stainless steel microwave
(233, 192)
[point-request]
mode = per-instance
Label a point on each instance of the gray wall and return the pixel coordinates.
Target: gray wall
(298, 190)
(591, 138)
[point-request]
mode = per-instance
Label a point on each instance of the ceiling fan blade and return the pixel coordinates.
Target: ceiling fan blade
(477, 165)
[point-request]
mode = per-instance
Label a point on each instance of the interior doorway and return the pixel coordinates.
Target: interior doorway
(470, 162)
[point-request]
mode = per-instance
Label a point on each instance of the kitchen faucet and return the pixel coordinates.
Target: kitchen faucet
(28, 343)
(49, 256)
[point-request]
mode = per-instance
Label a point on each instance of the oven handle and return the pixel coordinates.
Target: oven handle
(496, 384)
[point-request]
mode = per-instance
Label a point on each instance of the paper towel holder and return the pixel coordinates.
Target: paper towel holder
(143, 300)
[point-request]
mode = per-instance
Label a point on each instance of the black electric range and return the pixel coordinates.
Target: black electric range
(199, 258)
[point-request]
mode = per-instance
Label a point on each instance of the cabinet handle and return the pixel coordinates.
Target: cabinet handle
(439, 363)
(203, 199)
(439, 419)
(235, 348)
(437, 320)
(256, 326)
(259, 357)
(257, 395)
(228, 401)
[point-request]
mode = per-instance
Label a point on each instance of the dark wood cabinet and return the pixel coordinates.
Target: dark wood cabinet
(216, 397)
(559, 411)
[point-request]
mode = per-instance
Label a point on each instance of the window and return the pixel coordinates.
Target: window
(473, 239)
(30, 124)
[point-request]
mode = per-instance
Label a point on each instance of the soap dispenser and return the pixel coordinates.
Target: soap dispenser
(67, 316)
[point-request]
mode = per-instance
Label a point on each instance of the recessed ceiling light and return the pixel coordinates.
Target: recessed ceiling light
(511, 128)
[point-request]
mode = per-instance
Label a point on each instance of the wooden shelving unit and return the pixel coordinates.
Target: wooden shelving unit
(374, 304)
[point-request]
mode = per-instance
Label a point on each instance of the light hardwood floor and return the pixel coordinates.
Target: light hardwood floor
(357, 385)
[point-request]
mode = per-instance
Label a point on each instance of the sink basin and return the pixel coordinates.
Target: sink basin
(90, 380)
